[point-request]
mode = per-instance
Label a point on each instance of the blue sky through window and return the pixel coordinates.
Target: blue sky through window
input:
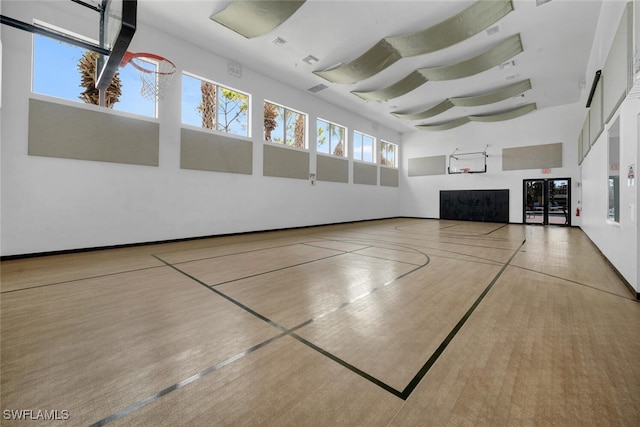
(55, 73)
(232, 107)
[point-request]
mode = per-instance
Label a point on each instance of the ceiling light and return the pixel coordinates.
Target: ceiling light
(279, 41)
(310, 59)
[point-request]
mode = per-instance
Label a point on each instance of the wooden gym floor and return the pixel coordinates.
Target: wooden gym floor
(401, 322)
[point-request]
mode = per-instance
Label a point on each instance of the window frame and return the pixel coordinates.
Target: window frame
(77, 100)
(332, 149)
(284, 127)
(613, 175)
(218, 86)
(384, 143)
(361, 155)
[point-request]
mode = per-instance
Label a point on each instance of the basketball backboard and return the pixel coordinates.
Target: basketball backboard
(462, 161)
(117, 28)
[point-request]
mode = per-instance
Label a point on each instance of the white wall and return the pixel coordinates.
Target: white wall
(420, 195)
(51, 204)
(618, 242)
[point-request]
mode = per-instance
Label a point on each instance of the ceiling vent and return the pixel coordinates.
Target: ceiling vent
(541, 2)
(507, 65)
(279, 41)
(234, 69)
(493, 30)
(317, 88)
(310, 59)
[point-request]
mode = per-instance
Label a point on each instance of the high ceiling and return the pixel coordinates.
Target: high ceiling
(556, 38)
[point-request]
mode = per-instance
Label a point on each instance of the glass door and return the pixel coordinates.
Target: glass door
(534, 201)
(547, 201)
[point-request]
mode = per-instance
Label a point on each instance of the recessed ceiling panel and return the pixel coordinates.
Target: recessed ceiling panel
(465, 24)
(504, 51)
(507, 115)
(469, 101)
(255, 18)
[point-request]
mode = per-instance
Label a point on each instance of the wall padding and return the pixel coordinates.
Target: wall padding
(434, 165)
(389, 177)
(285, 162)
(333, 169)
(364, 173)
(532, 157)
(59, 130)
(217, 153)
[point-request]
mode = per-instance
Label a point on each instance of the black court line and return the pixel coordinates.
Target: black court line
(284, 332)
(233, 253)
(382, 244)
(386, 259)
(349, 366)
(404, 394)
(441, 348)
(242, 306)
(83, 278)
(278, 269)
(181, 384)
(575, 282)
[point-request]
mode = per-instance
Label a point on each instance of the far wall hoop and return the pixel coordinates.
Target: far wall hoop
(468, 160)
(155, 71)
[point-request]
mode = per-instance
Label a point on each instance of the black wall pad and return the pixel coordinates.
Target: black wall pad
(475, 205)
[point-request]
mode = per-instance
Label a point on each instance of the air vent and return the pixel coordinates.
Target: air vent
(234, 69)
(279, 41)
(493, 30)
(541, 2)
(507, 65)
(317, 88)
(311, 60)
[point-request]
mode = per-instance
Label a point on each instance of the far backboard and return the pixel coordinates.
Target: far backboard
(467, 162)
(117, 26)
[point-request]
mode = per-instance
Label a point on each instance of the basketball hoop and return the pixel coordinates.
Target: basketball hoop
(155, 72)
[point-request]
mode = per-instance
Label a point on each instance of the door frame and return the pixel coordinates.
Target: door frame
(545, 195)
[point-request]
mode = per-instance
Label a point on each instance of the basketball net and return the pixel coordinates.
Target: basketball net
(156, 73)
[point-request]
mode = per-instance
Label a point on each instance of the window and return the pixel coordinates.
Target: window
(613, 214)
(363, 147)
(331, 138)
(66, 71)
(284, 126)
(388, 154)
(211, 106)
